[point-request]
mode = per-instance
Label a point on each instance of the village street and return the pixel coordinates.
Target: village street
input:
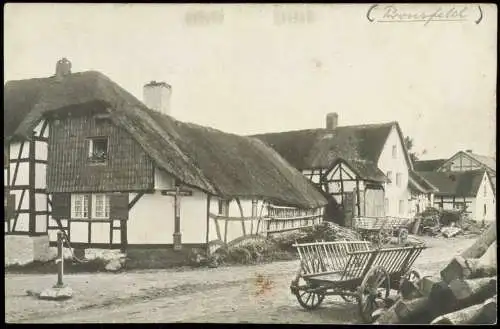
(226, 294)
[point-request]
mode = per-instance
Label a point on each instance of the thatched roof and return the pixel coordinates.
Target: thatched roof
(319, 148)
(428, 165)
(365, 170)
(418, 183)
(219, 163)
(455, 183)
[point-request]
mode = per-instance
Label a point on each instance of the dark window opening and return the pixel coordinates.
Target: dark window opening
(98, 149)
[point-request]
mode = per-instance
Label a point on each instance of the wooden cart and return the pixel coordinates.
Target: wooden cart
(398, 227)
(353, 271)
(372, 229)
(379, 230)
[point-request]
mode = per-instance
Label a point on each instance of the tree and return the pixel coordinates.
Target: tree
(409, 145)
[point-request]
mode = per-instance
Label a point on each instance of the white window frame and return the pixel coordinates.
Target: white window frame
(394, 151)
(84, 213)
(106, 206)
(389, 176)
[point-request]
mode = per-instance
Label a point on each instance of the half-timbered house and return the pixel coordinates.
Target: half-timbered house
(364, 167)
(87, 157)
(470, 190)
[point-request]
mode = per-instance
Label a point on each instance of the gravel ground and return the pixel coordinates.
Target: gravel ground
(227, 294)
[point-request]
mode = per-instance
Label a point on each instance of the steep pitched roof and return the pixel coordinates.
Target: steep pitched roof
(428, 165)
(319, 148)
(366, 170)
(489, 162)
(219, 163)
(419, 183)
(455, 183)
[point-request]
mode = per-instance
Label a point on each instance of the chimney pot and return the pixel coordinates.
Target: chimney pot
(156, 96)
(332, 120)
(468, 151)
(63, 68)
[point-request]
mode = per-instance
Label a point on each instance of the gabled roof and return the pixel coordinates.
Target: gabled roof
(488, 162)
(319, 148)
(366, 170)
(219, 163)
(418, 183)
(455, 183)
(428, 165)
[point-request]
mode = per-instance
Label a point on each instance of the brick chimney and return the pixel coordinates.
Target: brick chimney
(63, 68)
(468, 151)
(332, 120)
(156, 96)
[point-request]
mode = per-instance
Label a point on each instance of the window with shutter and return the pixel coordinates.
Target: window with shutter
(10, 206)
(118, 206)
(61, 205)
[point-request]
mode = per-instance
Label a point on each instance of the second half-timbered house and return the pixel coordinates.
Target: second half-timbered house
(364, 167)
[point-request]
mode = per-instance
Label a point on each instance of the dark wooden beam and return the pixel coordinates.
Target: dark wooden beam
(32, 200)
(134, 200)
(207, 240)
(341, 185)
(358, 196)
(16, 169)
(44, 127)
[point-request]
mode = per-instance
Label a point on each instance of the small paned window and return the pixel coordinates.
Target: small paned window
(98, 149)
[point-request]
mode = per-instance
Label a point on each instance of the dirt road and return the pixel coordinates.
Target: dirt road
(230, 294)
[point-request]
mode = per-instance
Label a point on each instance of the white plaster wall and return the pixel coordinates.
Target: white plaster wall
(193, 217)
(234, 228)
(488, 200)
(396, 165)
(100, 232)
(38, 127)
(22, 173)
(79, 232)
(14, 150)
(40, 170)
(41, 150)
(151, 220)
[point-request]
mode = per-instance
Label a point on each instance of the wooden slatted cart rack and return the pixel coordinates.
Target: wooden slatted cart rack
(353, 271)
(372, 228)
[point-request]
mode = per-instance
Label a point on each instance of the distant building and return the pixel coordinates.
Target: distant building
(471, 190)
(363, 169)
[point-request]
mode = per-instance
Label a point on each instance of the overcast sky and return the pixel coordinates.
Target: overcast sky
(246, 71)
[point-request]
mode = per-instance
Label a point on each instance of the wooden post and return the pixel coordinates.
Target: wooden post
(60, 259)
(177, 220)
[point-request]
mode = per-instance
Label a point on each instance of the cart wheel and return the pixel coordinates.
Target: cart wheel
(383, 238)
(306, 299)
(412, 277)
(375, 286)
(403, 236)
(310, 300)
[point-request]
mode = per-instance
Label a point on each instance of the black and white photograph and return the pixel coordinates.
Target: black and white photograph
(250, 163)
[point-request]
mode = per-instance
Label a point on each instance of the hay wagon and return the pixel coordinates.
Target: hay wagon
(380, 229)
(353, 271)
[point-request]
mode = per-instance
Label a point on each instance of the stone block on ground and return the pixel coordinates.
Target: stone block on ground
(450, 231)
(56, 293)
(114, 265)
